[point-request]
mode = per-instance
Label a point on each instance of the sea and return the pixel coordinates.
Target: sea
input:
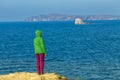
(78, 52)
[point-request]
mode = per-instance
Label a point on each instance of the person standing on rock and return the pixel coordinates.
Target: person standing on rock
(40, 51)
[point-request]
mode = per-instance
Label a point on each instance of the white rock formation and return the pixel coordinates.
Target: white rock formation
(79, 21)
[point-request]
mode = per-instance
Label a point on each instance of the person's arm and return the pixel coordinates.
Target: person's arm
(42, 46)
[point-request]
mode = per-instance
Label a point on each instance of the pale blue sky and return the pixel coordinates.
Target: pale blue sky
(18, 10)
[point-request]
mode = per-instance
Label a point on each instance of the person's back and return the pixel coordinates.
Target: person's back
(39, 51)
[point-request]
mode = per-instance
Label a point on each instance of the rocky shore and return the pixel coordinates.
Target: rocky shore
(31, 76)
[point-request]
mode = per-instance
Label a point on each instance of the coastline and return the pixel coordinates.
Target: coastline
(31, 76)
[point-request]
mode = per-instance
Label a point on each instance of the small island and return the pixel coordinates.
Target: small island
(79, 21)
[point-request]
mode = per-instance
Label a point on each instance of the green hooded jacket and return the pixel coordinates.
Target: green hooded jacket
(38, 43)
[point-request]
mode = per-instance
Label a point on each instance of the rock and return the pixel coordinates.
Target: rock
(31, 76)
(79, 21)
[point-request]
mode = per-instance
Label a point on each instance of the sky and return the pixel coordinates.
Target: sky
(18, 10)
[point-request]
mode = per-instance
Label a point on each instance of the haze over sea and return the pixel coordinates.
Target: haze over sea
(90, 51)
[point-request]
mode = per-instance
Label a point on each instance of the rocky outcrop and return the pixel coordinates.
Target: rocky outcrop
(79, 21)
(31, 76)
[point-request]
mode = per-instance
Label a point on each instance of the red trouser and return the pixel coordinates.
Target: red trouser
(39, 63)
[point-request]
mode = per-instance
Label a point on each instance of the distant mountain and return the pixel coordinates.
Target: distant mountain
(61, 17)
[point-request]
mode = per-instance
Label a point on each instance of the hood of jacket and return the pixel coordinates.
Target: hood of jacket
(38, 33)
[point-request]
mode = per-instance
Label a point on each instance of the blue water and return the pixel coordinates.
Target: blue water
(89, 52)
